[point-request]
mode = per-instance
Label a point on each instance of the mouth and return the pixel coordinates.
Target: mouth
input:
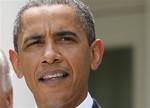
(53, 76)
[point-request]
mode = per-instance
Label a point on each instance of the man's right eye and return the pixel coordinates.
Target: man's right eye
(34, 43)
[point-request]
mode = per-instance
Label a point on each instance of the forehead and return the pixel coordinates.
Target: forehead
(64, 11)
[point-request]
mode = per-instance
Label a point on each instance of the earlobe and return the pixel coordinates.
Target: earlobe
(97, 53)
(13, 56)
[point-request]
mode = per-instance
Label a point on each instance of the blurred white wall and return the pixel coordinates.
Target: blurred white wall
(119, 23)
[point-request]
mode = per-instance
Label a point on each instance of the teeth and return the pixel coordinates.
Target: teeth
(53, 76)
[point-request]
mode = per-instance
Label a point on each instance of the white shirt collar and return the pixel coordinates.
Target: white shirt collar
(87, 103)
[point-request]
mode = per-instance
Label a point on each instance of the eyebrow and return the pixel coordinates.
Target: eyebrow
(64, 33)
(39, 37)
(32, 37)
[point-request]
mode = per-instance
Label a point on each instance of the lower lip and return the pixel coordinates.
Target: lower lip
(54, 82)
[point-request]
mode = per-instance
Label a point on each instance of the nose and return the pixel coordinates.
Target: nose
(51, 54)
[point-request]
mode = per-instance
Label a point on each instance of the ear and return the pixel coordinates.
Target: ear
(13, 56)
(97, 50)
(10, 98)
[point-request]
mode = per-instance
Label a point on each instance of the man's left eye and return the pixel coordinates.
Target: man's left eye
(66, 39)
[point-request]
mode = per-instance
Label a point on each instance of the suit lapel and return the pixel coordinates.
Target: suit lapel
(95, 104)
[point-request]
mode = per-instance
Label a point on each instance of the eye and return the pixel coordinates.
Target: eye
(66, 39)
(35, 43)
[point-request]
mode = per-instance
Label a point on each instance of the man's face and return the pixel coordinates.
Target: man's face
(54, 56)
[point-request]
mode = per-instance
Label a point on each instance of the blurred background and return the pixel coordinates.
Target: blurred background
(123, 78)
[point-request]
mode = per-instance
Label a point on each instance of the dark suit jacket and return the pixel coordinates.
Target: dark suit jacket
(95, 104)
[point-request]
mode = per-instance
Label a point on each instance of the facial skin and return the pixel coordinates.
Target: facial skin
(5, 97)
(54, 56)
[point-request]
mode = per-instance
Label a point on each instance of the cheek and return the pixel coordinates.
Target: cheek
(81, 59)
(80, 63)
(29, 61)
(28, 67)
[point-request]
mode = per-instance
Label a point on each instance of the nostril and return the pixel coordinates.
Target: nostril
(44, 61)
(56, 60)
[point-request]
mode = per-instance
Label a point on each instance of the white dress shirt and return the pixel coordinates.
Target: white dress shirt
(87, 103)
